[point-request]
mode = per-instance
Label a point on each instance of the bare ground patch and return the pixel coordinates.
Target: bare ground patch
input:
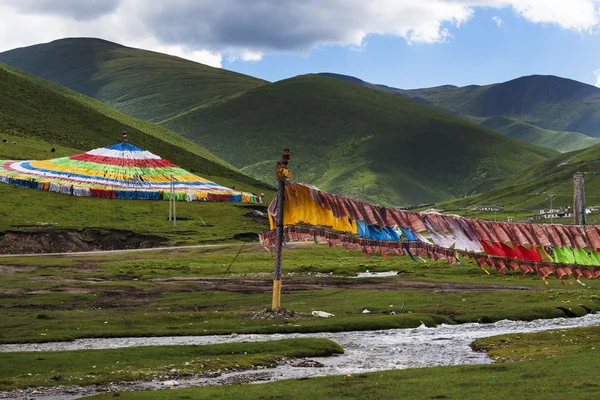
(59, 241)
(12, 269)
(243, 285)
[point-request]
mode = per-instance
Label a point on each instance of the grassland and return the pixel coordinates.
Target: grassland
(219, 290)
(201, 292)
(92, 367)
(19, 147)
(570, 374)
(343, 136)
(533, 346)
(30, 210)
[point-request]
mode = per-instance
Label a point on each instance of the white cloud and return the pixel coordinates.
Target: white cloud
(597, 75)
(201, 56)
(207, 32)
(577, 15)
(245, 55)
(497, 20)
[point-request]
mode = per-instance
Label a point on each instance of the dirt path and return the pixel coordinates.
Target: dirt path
(144, 250)
(109, 252)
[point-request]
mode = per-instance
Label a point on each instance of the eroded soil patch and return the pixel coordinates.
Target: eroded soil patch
(63, 241)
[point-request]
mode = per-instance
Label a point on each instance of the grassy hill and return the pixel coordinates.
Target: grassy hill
(553, 112)
(34, 108)
(558, 140)
(144, 84)
(37, 116)
(549, 102)
(528, 192)
(343, 136)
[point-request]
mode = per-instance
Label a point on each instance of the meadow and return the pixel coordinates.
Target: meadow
(219, 290)
(201, 292)
(570, 376)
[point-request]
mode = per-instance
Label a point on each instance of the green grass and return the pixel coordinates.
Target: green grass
(149, 128)
(571, 376)
(531, 346)
(47, 211)
(63, 298)
(343, 136)
(25, 148)
(167, 293)
(90, 367)
(258, 262)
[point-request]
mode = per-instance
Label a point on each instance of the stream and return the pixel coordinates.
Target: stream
(365, 351)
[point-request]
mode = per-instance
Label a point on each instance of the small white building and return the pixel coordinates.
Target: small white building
(562, 212)
(487, 208)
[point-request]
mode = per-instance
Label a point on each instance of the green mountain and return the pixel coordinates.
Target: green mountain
(36, 109)
(140, 83)
(549, 111)
(344, 138)
(355, 141)
(41, 120)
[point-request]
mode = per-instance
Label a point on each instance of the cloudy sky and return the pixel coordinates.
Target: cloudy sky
(401, 43)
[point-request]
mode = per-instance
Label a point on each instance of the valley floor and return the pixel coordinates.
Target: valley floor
(226, 290)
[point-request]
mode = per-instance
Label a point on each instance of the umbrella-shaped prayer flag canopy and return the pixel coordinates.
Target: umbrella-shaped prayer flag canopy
(118, 171)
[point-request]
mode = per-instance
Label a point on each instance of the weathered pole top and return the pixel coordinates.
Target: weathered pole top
(281, 169)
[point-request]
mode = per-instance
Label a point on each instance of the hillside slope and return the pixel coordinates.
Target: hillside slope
(562, 109)
(558, 140)
(140, 83)
(343, 136)
(40, 120)
(34, 109)
(530, 191)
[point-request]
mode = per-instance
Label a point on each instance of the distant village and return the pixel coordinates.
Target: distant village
(550, 213)
(562, 212)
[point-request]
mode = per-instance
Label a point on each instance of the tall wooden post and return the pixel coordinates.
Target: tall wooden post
(282, 174)
(579, 199)
(171, 198)
(174, 206)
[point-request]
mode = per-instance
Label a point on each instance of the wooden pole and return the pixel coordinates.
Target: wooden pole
(171, 199)
(579, 199)
(282, 174)
(278, 245)
(174, 209)
(174, 204)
